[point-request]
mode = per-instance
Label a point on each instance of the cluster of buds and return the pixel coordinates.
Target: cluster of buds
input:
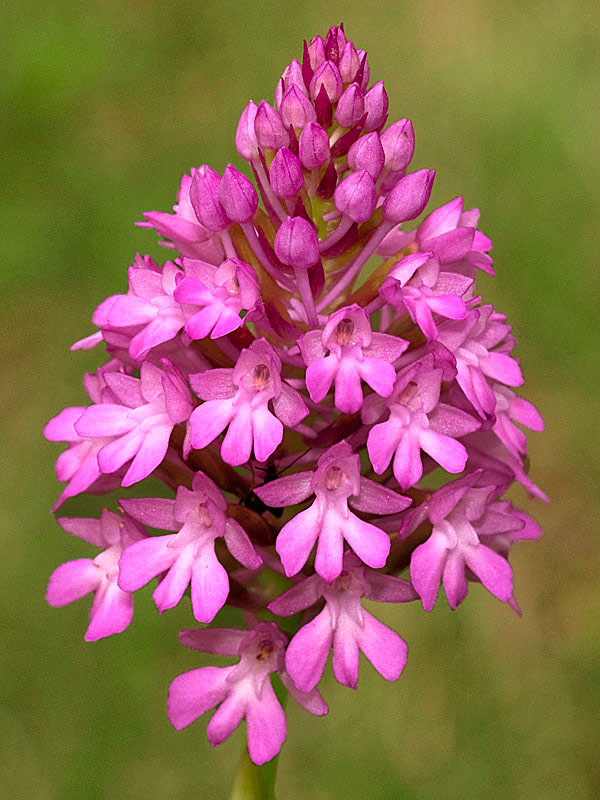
(300, 416)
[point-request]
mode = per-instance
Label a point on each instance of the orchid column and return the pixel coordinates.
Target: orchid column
(298, 413)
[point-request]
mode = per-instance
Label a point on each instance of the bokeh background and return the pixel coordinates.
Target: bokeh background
(104, 106)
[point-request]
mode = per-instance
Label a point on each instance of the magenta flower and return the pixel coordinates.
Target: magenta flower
(500, 466)
(140, 421)
(222, 293)
(239, 398)
(344, 625)
(112, 609)
(347, 352)
(417, 421)
(415, 284)
(510, 409)
(451, 235)
(241, 691)
(199, 517)
(463, 514)
(336, 483)
(149, 311)
(319, 333)
(471, 341)
(78, 465)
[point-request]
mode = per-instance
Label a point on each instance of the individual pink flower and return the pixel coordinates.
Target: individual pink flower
(510, 409)
(241, 691)
(222, 293)
(463, 515)
(344, 625)
(500, 466)
(472, 341)
(503, 541)
(112, 608)
(140, 420)
(347, 352)
(199, 517)
(417, 421)
(148, 313)
(451, 235)
(415, 284)
(240, 398)
(78, 464)
(336, 483)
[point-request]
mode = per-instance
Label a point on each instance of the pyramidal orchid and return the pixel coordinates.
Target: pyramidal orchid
(319, 429)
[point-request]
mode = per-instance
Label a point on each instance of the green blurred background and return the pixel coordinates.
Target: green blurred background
(104, 108)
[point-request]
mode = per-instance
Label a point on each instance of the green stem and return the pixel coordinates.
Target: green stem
(252, 782)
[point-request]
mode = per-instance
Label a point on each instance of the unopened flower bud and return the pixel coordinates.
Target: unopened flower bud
(398, 142)
(350, 107)
(355, 196)
(296, 243)
(365, 72)
(349, 63)
(296, 109)
(313, 146)
(245, 137)
(316, 52)
(204, 197)
(237, 195)
(292, 76)
(376, 106)
(270, 131)
(327, 75)
(409, 196)
(285, 174)
(335, 43)
(367, 153)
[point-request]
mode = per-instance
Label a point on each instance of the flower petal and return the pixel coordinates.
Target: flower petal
(210, 585)
(266, 726)
(195, 692)
(73, 580)
(383, 647)
(307, 653)
(296, 540)
(111, 612)
(144, 560)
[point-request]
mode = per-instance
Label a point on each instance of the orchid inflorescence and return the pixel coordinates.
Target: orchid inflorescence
(295, 410)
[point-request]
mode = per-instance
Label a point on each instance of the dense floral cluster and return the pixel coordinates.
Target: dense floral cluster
(296, 410)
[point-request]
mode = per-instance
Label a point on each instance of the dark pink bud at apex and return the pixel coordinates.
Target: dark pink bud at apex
(292, 76)
(296, 243)
(316, 52)
(335, 43)
(364, 73)
(349, 63)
